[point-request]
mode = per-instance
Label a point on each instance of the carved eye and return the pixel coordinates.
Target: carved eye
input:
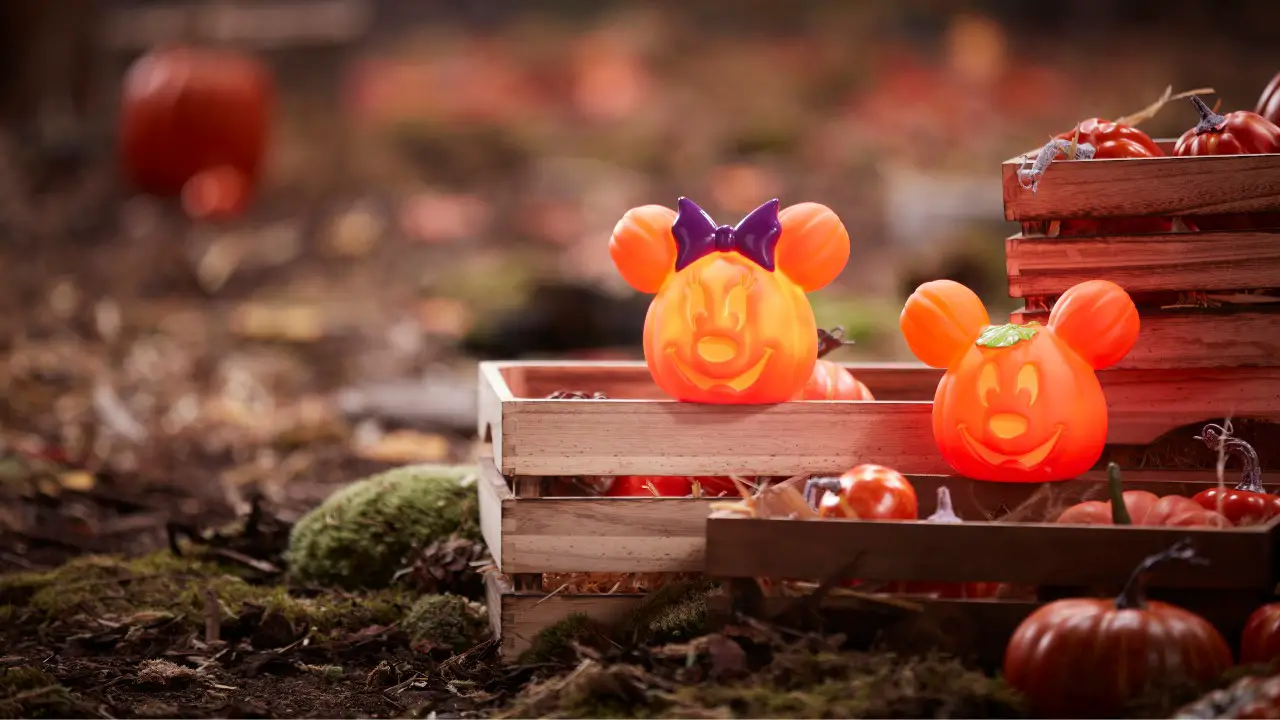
(988, 382)
(736, 306)
(697, 306)
(1029, 380)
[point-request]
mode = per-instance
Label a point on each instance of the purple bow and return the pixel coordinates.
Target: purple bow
(697, 235)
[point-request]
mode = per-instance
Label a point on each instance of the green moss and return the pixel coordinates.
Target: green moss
(674, 612)
(97, 586)
(680, 622)
(363, 534)
(30, 692)
(446, 622)
(552, 643)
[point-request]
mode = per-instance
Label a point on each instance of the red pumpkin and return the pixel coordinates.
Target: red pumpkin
(867, 492)
(1110, 141)
(830, 381)
(1237, 133)
(1089, 657)
(971, 590)
(1260, 641)
(650, 486)
(1139, 507)
(1247, 503)
(1269, 102)
(194, 122)
(717, 486)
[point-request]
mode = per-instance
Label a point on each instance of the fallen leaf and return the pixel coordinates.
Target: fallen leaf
(290, 323)
(444, 316)
(355, 232)
(406, 446)
(77, 481)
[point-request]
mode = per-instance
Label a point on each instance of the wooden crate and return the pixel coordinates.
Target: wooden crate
(1196, 291)
(637, 431)
(1061, 560)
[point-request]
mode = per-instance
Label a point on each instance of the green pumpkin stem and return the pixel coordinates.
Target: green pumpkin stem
(1134, 594)
(1119, 511)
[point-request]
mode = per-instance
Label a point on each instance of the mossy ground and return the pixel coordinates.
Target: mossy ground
(166, 588)
(446, 622)
(132, 637)
(362, 535)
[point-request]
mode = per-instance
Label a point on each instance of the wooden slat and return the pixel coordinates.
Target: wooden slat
(496, 500)
(1187, 339)
(1024, 553)
(521, 616)
(621, 379)
(607, 534)
(1145, 186)
(590, 534)
(1153, 263)
(668, 438)
(664, 437)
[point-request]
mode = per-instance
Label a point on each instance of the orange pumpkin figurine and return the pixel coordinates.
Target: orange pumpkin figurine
(1020, 403)
(730, 323)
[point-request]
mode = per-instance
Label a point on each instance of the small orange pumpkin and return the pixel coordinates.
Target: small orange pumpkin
(1020, 403)
(730, 322)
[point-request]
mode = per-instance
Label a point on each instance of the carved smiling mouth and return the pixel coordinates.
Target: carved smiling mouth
(737, 383)
(1024, 460)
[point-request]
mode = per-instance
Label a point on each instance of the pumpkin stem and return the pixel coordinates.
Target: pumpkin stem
(1134, 595)
(831, 340)
(815, 488)
(1220, 440)
(1115, 488)
(1210, 121)
(946, 512)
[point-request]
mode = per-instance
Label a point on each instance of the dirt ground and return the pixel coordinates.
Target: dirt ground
(162, 380)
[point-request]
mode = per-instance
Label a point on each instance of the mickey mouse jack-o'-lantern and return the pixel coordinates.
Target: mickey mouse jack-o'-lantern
(730, 323)
(1020, 403)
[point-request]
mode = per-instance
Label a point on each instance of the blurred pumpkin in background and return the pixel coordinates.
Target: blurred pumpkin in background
(194, 123)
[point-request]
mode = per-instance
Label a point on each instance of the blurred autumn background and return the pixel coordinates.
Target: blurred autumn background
(440, 185)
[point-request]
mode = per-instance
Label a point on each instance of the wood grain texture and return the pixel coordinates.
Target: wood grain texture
(1025, 553)
(605, 534)
(495, 500)
(590, 534)
(1153, 263)
(1131, 187)
(521, 616)
(1191, 339)
(664, 437)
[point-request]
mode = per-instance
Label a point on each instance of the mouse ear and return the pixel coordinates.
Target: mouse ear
(643, 248)
(940, 320)
(1098, 320)
(814, 246)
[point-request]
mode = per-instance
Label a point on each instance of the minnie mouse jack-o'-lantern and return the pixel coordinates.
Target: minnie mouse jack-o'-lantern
(730, 323)
(1020, 403)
